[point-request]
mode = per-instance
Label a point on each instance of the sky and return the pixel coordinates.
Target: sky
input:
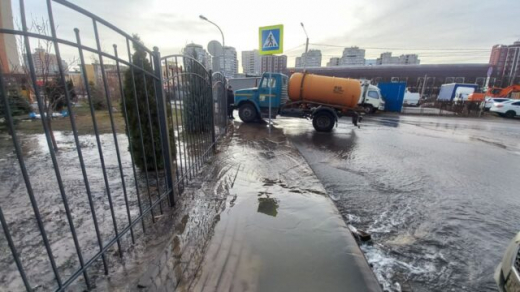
(442, 31)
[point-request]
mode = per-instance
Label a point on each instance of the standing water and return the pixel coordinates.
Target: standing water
(439, 196)
(20, 216)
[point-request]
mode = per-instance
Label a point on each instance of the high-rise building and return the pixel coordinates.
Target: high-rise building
(386, 58)
(409, 59)
(251, 62)
(506, 62)
(310, 59)
(271, 63)
(231, 64)
(334, 62)
(45, 63)
(370, 62)
(198, 53)
(353, 56)
(9, 58)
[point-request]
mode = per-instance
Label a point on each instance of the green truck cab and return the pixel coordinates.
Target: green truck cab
(253, 103)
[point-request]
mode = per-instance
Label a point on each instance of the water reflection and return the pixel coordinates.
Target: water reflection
(268, 206)
(340, 142)
(389, 122)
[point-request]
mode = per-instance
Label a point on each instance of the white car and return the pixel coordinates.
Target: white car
(508, 109)
(411, 98)
(491, 100)
(507, 274)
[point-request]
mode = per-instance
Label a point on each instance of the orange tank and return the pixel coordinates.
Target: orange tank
(341, 92)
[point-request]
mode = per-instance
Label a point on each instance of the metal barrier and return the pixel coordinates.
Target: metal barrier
(219, 85)
(446, 108)
(195, 102)
(180, 114)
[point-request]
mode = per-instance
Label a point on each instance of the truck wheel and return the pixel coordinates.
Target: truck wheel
(247, 113)
(323, 122)
(368, 108)
(510, 114)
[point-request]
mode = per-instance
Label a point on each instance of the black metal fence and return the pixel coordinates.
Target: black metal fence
(197, 112)
(72, 205)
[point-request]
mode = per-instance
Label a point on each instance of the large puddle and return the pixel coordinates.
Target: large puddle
(21, 219)
(440, 203)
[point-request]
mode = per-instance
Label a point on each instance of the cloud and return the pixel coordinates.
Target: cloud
(404, 25)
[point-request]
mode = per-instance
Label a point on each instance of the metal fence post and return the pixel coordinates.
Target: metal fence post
(226, 119)
(213, 140)
(163, 124)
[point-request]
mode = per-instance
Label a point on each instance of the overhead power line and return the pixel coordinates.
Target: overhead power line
(294, 48)
(404, 49)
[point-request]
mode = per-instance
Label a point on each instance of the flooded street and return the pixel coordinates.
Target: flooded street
(255, 212)
(439, 195)
(279, 231)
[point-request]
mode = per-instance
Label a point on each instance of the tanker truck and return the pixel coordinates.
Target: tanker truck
(323, 99)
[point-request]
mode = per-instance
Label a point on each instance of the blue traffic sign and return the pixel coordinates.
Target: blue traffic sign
(271, 39)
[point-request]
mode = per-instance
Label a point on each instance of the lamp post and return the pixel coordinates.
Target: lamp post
(306, 46)
(223, 43)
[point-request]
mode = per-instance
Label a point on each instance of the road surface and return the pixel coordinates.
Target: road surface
(439, 194)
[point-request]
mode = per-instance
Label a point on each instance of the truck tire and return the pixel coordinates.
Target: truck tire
(510, 114)
(323, 122)
(247, 113)
(368, 108)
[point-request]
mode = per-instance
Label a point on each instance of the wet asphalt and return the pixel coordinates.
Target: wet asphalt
(439, 195)
(279, 231)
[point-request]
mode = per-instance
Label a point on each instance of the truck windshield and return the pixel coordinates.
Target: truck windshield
(373, 94)
(268, 82)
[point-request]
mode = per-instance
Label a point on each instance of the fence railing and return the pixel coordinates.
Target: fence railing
(446, 108)
(196, 101)
(78, 213)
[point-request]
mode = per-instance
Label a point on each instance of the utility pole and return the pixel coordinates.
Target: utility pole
(514, 65)
(424, 85)
(223, 42)
(306, 46)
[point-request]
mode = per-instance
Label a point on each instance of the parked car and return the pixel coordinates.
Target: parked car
(508, 109)
(411, 98)
(490, 100)
(507, 273)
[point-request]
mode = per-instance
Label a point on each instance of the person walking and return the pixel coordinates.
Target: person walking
(230, 101)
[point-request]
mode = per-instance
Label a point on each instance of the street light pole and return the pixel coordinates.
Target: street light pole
(223, 42)
(306, 46)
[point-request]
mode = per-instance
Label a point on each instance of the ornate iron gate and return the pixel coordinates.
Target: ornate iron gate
(173, 112)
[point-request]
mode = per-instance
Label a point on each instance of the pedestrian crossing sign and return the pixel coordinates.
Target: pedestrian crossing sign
(271, 39)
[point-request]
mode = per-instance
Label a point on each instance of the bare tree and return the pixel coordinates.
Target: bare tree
(51, 87)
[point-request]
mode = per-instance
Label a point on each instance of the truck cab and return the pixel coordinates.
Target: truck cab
(253, 103)
(371, 99)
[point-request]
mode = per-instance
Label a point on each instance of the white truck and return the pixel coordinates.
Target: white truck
(371, 99)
